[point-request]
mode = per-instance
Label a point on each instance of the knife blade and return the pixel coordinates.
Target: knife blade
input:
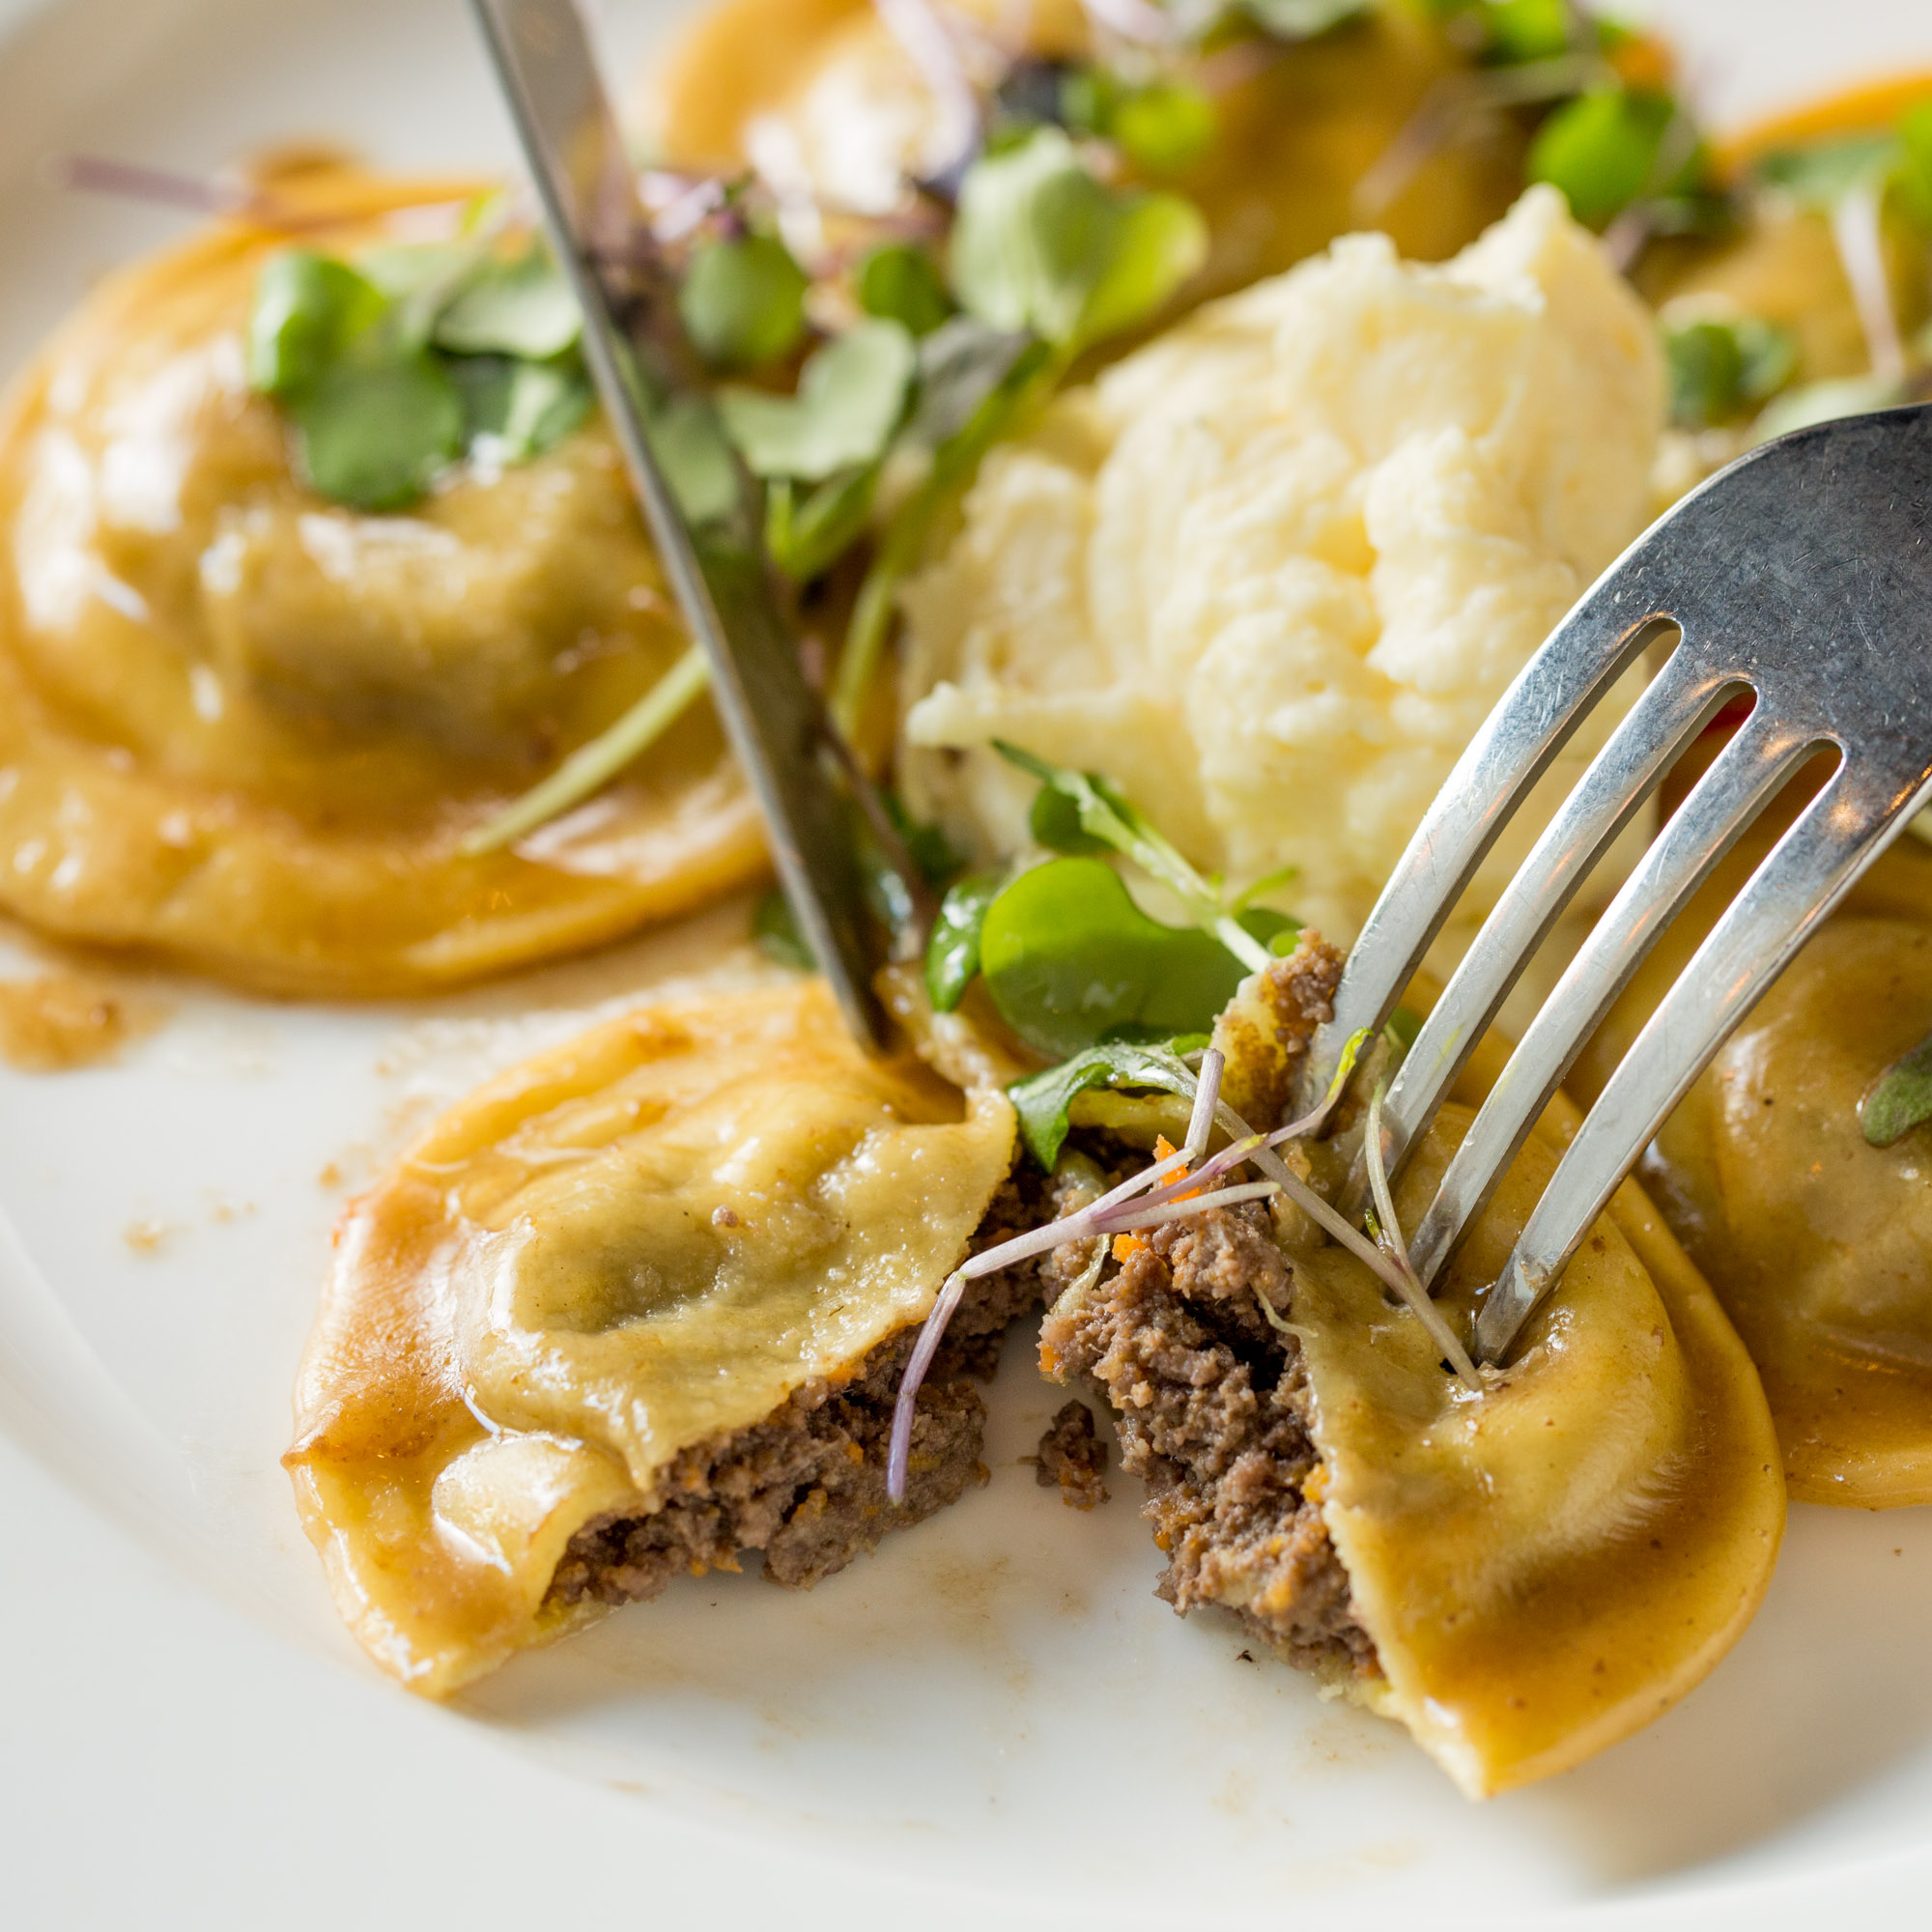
(701, 505)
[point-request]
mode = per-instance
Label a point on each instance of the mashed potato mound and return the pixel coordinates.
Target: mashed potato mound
(1272, 571)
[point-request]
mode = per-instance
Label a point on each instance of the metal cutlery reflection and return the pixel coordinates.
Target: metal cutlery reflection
(702, 507)
(1800, 577)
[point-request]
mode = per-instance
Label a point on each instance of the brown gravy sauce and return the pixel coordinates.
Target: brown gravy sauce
(61, 1020)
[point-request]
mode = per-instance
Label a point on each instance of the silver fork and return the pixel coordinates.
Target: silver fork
(1800, 575)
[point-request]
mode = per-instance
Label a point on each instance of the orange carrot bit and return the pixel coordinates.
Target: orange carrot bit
(1165, 1150)
(1128, 1246)
(1645, 61)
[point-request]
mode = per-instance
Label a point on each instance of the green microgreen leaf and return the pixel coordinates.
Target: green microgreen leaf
(688, 438)
(1027, 380)
(901, 283)
(403, 270)
(1162, 240)
(522, 307)
(420, 279)
(851, 395)
(1518, 31)
(1043, 1100)
(806, 533)
(960, 365)
(1720, 366)
(1606, 149)
(382, 367)
(307, 309)
(777, 936)
(1040, 244)
(1826, 402)
(742, 301)
(1822, 173)
(1901, 1099)
(1163, 126)
(1105, 815)
(1068, 957)
(952, 953)
(514, 409)
(926, 844)
(376, 434)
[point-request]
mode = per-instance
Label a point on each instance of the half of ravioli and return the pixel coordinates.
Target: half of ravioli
(636, 1308)
(1522, 1576)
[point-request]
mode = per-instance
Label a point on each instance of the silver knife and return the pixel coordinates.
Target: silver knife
(699, 504)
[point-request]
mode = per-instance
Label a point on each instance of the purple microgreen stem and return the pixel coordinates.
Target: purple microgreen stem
(1125, 1219)
(1207, 1097)
(1409, 1285)
(678, 204)
(1300, 1129)
(1233, 1156)
(900, 1458)
(164, 187)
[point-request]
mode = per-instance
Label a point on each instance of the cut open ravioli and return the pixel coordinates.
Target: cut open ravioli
(639, 1306)
(1520, 1577)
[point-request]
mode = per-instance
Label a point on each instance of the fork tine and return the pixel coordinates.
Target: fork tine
(1740, 781)
(1807, 872)
(1685, 695)
(1582, 658)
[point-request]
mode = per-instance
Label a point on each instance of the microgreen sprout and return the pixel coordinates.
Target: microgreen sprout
(390, 367)
(1105, 815)
(1389, 1231)
(1175, 1187)
(591, 767)
(1072, 963)
(1083, 1225)
(1901, 1099)
(1723, 364)
(741, 300)
(1849, 182)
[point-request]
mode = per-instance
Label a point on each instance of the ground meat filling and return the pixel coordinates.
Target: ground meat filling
(1073, 1458)
(1212, 1409)
(1210, 1396)
(806, 1486)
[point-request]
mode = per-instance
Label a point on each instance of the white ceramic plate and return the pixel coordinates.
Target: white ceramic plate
(993, 1716)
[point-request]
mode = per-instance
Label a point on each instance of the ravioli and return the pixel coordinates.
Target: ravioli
(1819, 1246)
(246, 729)
(1521, 1576)
(602, 1316)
